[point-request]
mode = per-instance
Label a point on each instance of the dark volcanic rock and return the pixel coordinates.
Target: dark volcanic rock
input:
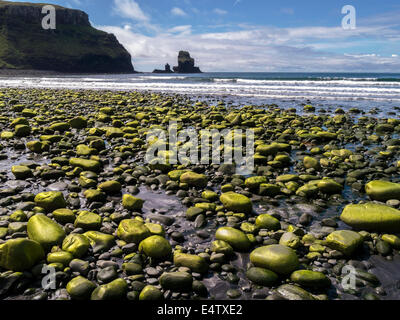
(74, 46)
(166, 70)
(186, 64)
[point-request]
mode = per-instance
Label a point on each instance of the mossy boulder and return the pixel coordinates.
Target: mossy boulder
(80, 288)
(193, 262)
(88, 221)
(115, 290)
(382, 190)
(85, 164)
(110, 187)
(193, 179)
(21, 172)
(78, 122)
(289, 239)
(45, 231)
(236, 202)
(236, 238)
(20, 254)
(345, 241)
(193, 212)
(176, 281)
(62, 257)
(156, 247)
(76, 244)
(132, 203)
(64, 216)
(22, 130)
(94, 195)
(220, 246)
(311, 163)
(293, 293)
(270, 190)
(312, 279)
(253, 183)
(277, 258)
(372, 217)
(50, 200)
(266, 221)
(150, 293)
(132, 231)
(262, 277)
(100, 241)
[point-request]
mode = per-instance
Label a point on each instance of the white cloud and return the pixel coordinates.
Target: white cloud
(253, 49)
(220, 11)
(178, 12)
(130, 9)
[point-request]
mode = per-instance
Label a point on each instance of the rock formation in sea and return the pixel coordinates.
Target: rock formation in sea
(166, 70)
(186, 64)
(73, 46)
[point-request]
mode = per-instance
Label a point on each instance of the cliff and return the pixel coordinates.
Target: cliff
(74, 46)
(186, 64)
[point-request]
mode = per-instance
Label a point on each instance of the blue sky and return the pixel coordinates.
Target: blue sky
(252, 35)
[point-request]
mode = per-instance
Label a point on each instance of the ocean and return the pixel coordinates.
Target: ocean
(366, 91)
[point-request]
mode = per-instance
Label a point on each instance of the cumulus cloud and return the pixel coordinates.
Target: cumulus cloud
(178, 12)
(252, 49)
(130, 9)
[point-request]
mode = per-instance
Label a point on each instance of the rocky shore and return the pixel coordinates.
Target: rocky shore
(77, 197)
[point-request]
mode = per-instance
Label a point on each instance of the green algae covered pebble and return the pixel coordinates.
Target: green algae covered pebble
(64, 216)
(345, 241)
(220, 246)
(88, 165)
(76, 244)
(151, 293)
(21, 172)
(45, 231)
(50, 200)
(289, 239)
(80, 288)
(262, 277)
(115, 290)
(88, 221)
(62, 257)
(193, 179)
(176, 281)
(293, 292)
(132, 231)
(110, 187)
(372, 217)
(236, 202)
(99, 241)
(255, 182)
(155, 247)
(20, 254)
(236, 238)
(277, 258)
(132, 203)
(266, 221)
(312, 279)
(383, 190)
(191, 261)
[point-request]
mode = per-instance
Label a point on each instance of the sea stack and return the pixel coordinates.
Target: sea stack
(186, 64)
(73, 46)
(166, 70)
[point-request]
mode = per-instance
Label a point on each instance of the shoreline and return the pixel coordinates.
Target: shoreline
(88, 152)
